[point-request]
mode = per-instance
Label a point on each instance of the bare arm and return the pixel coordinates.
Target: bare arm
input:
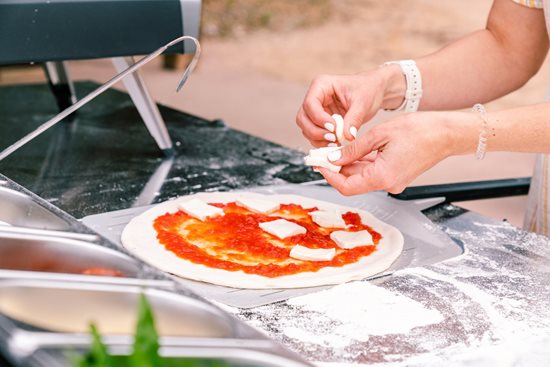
(410, 144)
(477, 68)
(486, 64)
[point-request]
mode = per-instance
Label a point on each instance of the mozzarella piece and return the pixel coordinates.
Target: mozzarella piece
(258, 205)
(339, 120)
(319, 158)
(199, 209)
(312, 254)
(282, 228)
(349, 240)
(328, 219)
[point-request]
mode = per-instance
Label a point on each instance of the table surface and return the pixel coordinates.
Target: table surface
(106, 160)
(489, 306)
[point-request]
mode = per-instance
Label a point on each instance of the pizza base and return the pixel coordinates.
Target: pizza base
(140, 238)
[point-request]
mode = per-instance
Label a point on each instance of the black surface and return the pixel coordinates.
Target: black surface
(105, 159)
(3, 362)
(40, 30)
(463, 191)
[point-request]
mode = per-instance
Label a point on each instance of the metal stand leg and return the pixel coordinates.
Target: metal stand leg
(146, 106)
(60, 84)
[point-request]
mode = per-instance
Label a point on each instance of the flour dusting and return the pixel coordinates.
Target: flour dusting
(372, 310)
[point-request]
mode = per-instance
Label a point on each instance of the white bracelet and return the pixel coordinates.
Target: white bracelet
(413, 94)
(482, 140)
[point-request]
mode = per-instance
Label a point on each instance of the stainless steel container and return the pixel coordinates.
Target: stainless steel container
(42, 320)
(245, 355)
(27, 252)
(44, 323)
(19, 209)
(70, 307)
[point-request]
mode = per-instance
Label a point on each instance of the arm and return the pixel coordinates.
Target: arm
(486, 64)
(477, 68)
(391, 155)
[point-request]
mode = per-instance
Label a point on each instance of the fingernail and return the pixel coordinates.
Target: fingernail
(332, 145)
(329, 126)
(353, 131)
(334, 156)
(330, 137)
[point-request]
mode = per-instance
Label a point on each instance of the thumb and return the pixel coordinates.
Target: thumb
(353, 152)
(354, 118)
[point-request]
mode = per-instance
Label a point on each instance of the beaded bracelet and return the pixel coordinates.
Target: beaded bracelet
(482, 141)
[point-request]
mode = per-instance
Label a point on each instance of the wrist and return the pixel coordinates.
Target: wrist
(461, 132)
(395, 86)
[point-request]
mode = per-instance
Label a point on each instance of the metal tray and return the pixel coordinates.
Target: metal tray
(21, 210)
(69, 308)
(251, 354)
(26, 252)
(41, 320)
(425, 243)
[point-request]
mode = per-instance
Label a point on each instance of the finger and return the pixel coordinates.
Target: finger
(358, 149)
(351, 185)
(318, 143)
(321, 143)
(353, 119)
(336, 106)
(354, 169)
(311, 131)
(314, 103)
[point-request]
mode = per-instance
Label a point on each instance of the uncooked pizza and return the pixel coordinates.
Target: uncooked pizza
(250, 240)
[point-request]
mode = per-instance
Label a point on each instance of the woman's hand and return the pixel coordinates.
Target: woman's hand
(356, 97)
(391, 155)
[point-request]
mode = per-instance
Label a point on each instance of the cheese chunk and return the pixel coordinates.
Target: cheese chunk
(349, 240)
(339, 129)
(311, 254)
(258, 205)
(199, 209)
(318, 158)
(282, 228)
(328, 219)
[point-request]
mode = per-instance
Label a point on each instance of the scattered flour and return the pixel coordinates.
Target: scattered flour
(373, 310)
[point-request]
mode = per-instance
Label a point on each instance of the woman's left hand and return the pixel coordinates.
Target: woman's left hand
(391, 155)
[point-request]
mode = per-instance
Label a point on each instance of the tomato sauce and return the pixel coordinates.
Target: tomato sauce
(235, 241)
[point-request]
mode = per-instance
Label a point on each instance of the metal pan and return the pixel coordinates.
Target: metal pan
(234, 352)
(27, 252)
(21, 210)
(88, 237)
(70, 307)
(41, 320)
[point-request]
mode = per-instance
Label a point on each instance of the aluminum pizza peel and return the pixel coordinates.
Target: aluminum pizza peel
(425, 243)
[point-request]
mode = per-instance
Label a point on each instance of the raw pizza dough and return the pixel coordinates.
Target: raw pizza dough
(140, 238)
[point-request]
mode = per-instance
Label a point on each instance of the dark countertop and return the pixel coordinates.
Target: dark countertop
(489, 306)
(106, 160)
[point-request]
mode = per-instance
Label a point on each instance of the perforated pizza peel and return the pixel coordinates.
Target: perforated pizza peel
(425, 243)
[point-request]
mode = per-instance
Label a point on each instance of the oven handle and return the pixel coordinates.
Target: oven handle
(463, 191)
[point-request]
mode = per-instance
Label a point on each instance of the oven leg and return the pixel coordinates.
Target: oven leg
(60, 83)
(144, 103)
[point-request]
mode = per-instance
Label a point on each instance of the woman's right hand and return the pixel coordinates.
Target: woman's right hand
(356, 98)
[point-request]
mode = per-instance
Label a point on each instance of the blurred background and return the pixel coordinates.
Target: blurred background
(260, 55)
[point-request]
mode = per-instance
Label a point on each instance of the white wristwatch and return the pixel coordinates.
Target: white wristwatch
(413, 94)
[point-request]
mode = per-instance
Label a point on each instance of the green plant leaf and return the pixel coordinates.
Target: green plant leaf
(97, 356)
(146, 345)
